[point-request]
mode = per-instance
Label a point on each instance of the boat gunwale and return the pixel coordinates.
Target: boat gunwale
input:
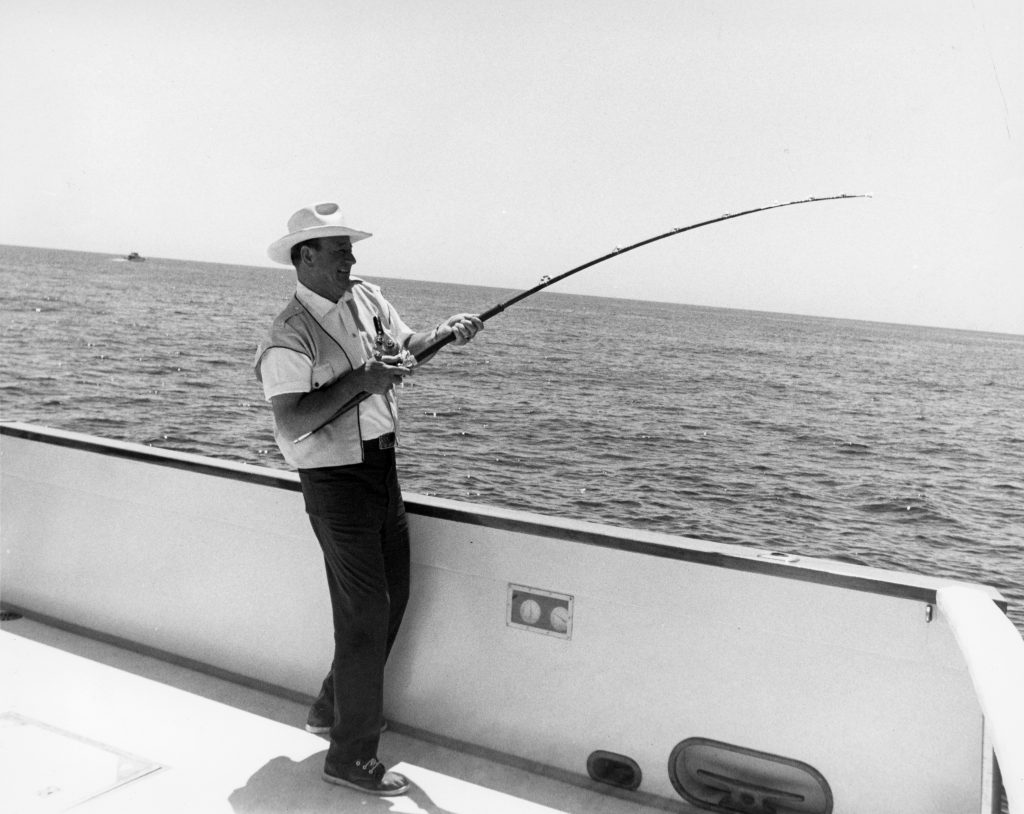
(834, 573)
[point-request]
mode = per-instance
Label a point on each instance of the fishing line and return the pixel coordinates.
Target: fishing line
(434, 347)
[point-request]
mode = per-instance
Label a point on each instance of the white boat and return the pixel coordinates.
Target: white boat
(544, 665)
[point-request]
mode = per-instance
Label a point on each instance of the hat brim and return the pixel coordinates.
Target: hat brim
(280, 251)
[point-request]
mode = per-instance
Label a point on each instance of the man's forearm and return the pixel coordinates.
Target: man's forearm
(419, 342)
(311, 410)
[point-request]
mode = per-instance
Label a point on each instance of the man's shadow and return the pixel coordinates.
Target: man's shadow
(283, 786)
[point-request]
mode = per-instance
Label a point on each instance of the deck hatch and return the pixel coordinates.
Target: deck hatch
(47, 769)
(718, 776)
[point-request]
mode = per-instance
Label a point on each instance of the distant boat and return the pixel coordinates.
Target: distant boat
(135, 256)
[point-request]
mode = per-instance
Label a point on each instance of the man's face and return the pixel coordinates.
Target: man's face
(326, 269)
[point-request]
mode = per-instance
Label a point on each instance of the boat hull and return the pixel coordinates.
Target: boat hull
(660, 639)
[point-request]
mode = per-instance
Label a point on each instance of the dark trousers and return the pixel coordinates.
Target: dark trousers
(359, 518)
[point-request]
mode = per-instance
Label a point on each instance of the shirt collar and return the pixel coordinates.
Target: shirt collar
(321, 306)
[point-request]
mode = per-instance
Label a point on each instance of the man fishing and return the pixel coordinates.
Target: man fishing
(329, 368)
(339, 341)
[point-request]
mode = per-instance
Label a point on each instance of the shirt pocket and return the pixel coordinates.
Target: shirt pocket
(323, 375)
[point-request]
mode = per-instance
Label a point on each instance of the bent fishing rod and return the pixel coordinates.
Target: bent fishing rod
(546, 281)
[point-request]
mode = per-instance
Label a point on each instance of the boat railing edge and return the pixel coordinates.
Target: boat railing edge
(638, 541)
(994, 654)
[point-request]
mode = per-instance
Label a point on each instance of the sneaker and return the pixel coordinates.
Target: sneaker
(369, 776)
(318, 725)
(322, 726)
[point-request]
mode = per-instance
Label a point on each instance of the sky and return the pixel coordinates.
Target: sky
(493, 143)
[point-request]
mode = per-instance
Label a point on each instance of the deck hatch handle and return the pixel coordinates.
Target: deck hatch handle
(718, 776)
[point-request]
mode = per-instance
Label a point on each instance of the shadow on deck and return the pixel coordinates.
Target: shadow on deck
(141, 734)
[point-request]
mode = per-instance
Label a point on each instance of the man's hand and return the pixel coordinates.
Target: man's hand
(463, 326)
(377, 376)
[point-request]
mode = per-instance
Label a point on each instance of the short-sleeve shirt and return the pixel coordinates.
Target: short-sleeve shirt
(288, 371)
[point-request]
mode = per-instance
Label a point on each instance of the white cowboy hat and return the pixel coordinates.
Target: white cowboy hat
(316, 220)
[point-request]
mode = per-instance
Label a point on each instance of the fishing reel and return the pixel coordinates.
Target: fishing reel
(385, 345)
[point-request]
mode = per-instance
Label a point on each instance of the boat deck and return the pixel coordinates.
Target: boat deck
(88, 725)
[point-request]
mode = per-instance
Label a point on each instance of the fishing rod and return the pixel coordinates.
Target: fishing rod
(546, 281)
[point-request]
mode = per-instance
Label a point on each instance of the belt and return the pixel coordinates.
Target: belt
(386, 441)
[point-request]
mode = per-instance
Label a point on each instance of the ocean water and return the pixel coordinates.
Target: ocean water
(885, 445)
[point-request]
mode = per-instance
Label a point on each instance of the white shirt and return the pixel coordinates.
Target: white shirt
(288, 371)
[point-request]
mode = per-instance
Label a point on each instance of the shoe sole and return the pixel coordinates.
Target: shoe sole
(338, 781)
(326, 730)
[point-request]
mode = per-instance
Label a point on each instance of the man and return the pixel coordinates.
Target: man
(339, 338)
